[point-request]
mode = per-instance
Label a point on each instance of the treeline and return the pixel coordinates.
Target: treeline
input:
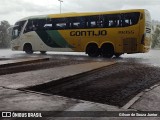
(155, 35)
(5, 38)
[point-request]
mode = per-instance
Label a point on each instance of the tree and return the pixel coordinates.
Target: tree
(156, 37)
(4, 37)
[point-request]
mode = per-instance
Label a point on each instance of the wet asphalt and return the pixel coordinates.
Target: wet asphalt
(114, 85)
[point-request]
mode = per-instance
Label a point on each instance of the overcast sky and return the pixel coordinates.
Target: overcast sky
(13, 10)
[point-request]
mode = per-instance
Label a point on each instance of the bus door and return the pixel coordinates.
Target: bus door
(17, 35)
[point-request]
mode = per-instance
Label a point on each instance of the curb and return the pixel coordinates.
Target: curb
(24, 61)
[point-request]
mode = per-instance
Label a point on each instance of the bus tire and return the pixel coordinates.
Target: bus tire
(92, 50)
(28, 48)
(43, 52)
(107, 50)
(117, 55)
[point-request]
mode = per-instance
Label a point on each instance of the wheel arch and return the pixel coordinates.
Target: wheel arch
(27, 44)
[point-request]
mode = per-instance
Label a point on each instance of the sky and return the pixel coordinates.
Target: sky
(13, 10)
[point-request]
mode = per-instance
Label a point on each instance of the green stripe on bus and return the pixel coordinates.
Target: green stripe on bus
(58, 39)
(47, 39)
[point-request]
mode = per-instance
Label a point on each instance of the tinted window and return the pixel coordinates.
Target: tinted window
(113, 20)
(94, 21)
(37, 24)
(130, 18)
(76, 22)
(17, 29)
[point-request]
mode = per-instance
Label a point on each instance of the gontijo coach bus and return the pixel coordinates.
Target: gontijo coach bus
(96, 33)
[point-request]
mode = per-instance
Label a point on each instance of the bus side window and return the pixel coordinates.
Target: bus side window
(47, 26)
(113, 20)
(100, 22)
(130, 19)
(135, 17)
(40, 24)
(127, 22)
(111, 23)
(18, 29)
(74, 23)
(83, 23)
(106, 22)
(92, 21)
(59, 24)
(93, 24)
(35, 25)
(29, 27)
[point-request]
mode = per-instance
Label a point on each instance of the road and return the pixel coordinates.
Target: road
(131, 69)
(113, 85)
(152, 58)
(121, 82)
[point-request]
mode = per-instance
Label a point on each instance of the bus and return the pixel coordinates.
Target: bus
(105, 34)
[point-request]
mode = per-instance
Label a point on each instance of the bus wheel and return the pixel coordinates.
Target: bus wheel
(107, 50)
(28, 48)
(43, 52)
(117, 55)
(92, 50)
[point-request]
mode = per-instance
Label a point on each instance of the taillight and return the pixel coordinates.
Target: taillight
(143, 38)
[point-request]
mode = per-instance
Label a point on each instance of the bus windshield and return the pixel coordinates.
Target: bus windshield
(17, 29)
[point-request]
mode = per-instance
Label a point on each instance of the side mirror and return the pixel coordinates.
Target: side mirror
(15, 32)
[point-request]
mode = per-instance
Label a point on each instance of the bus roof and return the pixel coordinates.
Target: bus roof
(74, 14)
(92, 13)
